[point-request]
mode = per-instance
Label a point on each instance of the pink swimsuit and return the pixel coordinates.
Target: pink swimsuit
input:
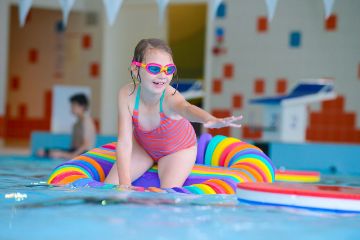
(170, 137)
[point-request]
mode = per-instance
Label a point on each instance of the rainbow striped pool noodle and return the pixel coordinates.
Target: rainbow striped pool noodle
(232, 153)
(91, 168)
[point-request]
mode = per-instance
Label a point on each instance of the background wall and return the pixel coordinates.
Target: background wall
(186, 36)
(44, 53)
(254, 58)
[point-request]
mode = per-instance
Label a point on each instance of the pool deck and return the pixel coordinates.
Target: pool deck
(14, 151)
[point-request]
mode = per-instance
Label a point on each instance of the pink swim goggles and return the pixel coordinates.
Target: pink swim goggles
(154, 68)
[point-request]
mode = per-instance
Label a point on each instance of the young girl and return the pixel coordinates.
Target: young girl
(153, 121)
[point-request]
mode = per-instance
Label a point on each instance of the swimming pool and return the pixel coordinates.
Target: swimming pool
(42, 212)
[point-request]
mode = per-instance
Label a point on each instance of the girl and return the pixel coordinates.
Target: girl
(153, 121)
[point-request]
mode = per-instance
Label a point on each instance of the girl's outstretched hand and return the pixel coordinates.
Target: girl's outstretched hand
(223, 122)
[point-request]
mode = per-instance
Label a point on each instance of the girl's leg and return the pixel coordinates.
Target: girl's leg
(176, 167)
(140, 163)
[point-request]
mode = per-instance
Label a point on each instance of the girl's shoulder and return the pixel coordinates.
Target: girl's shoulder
(172, 99)
(127, 94)
(128, 89)
(172, 94)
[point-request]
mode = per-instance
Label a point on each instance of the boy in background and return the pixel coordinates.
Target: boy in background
(83, 132)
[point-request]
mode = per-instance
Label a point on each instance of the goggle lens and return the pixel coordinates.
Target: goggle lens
(153, 69)
(170, 70)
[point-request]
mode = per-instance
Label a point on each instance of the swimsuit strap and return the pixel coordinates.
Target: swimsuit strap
(161, 101)
(137, 99)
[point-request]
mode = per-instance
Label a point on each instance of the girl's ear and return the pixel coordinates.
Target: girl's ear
(134, 69)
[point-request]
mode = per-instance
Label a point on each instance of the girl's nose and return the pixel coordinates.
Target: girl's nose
(162, 74)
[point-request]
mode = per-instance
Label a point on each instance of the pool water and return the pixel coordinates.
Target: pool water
(30, 209)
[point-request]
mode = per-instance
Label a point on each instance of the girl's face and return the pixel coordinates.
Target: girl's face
(155, 83)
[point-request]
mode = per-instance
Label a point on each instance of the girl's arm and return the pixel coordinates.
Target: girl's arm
(189, 111)
(124, 142)
(195, 114)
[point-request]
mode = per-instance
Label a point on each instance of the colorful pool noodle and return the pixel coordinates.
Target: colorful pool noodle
(221, 164)
(297, 176)
(222, 151)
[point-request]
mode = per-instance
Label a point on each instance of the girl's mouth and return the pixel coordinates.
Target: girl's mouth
(159, 84)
